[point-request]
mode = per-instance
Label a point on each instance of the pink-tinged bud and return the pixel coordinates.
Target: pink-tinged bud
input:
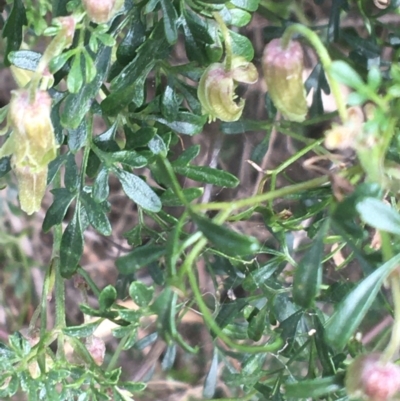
(283, 72)
(97, 349)
(216, 90)
(31, 187)
(68, 25)
(101, 11)
(32, 128)
(369, 377)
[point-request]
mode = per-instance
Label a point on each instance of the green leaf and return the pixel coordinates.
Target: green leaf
(226, 240)
(257, 324)
(197, 36)
(379, 215)
(138, 191)
(185, 122)
(25, 59)
(96, 215)
(71, 176)
(229, 311)
(239, 17)
(140, 293)
(135, 36)
(350, 312)
(5, 166)
(71, 248)
(13, 28)
(342, 72)
(169, 104)
(314, 389)
(129, 158)
(208, 175)
(242, 46)
(100, 186)
(107, 297)
(140, 257)
(139, 138)
(133, 387)
(169, 198)
(77, 137)
(56, 212)
(75, 77)
(157, 146)
(77, 105)
(187, 156)
(148, 54)
(210, 383)
(308, 275)
(83, 331)
(169, 357)
(249, 5)
(170, 18)
(257, 278)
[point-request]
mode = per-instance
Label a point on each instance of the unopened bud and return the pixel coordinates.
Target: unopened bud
(101, 11)
(372, 379)
(283, 72)
(216, 90)
(68, 25)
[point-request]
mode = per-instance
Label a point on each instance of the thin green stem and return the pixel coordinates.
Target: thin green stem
(59, 288)
(89, 281)
(394, 343)
(207, 316)
(227, 40)
(264, 197)
(117, 353)
(325, 59)
(174, 181)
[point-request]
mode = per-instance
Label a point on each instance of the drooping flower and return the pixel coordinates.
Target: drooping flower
(32, 145)
(369, 377)
(216, 90)
(283, 73)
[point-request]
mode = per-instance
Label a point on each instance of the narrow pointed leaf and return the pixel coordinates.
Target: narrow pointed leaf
(226, 240)
(350, 312)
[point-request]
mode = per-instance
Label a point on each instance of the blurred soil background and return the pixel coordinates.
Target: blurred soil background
(25, 250)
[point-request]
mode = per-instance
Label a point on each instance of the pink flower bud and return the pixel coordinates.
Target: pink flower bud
(283, 72)
(96, 348)
(101, 11)
(68, 25)
(372, 379)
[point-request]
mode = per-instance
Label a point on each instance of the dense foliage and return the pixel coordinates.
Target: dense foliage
(285, 318)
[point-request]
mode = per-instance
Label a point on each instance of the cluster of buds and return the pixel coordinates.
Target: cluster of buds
(101, 11)
(283, 73)
(216, 90)
(372, 379)
(32, 145)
